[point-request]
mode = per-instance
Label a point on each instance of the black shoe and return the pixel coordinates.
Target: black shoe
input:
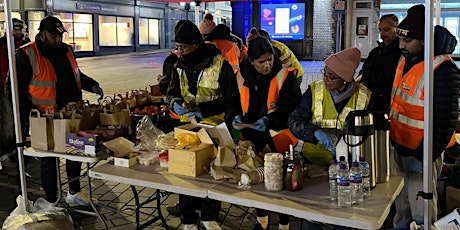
(174, 210)
(258, 227)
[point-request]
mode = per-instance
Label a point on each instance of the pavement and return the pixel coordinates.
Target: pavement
(118, 74)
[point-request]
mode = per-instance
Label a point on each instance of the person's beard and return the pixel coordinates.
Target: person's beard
(49, 45)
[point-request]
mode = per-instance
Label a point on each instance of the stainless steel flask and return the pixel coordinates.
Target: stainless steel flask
(382, 147)
(359, 136)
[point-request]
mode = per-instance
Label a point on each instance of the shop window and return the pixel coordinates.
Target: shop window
(149, 31)
(79, 30)
(115, 31)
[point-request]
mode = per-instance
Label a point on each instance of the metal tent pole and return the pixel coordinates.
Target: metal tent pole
(14, 96)
(427, 112)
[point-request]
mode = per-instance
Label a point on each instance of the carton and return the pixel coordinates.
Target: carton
(88, 143)
(217, 135)
(452, 198)
(190, 160)
(122, 147)
(449, 222)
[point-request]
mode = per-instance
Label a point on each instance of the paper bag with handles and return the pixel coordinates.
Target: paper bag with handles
(41, 130)
(90, 117)
(115, 116)
(62, 126)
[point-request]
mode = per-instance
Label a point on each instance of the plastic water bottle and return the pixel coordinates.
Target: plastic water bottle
(366, 177)
(343, 160)
(356, 183)
(343, 187)
(333, 169)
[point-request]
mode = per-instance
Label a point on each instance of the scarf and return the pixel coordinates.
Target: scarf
(339, 96)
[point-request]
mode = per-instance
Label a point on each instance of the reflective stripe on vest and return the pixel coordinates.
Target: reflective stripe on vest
(207, 85)
(407, 108)
(42, 87)
(230, 51)
(288, 58)
(273, 92)
(325, 114)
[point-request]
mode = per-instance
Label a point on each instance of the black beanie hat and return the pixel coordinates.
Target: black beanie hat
(413, 25)
(188, 33)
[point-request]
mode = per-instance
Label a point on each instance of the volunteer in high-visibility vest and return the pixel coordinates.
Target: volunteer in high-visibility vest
(222, 39)
(48, 79)
(269, 93)
(407, 112)
(324, 106)
(203, 86)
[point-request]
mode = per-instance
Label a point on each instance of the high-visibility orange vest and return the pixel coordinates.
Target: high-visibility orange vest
(406, 114)
(230, 51)
(273, 92)
(42, 87)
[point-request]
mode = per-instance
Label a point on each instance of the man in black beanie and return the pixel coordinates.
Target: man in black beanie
(407, 108)
(203, 86)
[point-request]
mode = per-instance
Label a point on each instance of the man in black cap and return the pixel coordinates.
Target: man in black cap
(48, 79)
(407, 108)
(203, 86)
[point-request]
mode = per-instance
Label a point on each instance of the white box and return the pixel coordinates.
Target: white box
(121, 148)
(449, 222)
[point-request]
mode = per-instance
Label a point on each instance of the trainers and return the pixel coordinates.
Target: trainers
(174, 210)
(211, 225)
(189, 227)
(80, 198)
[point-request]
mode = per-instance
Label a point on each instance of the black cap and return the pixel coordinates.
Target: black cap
(19, 24)
(188, 33)
(413, 25)
(52, 25)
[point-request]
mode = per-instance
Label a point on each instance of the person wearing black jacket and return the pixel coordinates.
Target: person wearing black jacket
(261, 71)
(51, 56)
(378, 71)
(406, 122)
(202, 86)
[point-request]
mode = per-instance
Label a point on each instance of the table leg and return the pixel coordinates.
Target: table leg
(90, 192)
(139, 206)
(59, 184)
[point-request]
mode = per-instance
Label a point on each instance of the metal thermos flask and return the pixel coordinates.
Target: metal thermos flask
(358, 133)
(382, 147)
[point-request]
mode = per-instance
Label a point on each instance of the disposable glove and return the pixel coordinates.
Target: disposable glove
(195, 114)
(261, 124)
(237, 120)
(323, 138)
(97, 90)
(178, 109)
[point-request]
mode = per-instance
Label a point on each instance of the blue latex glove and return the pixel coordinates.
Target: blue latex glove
(178, 109)
(195, 114)
(97, 90)
(323, 138)
(261, 124)
(237, 120)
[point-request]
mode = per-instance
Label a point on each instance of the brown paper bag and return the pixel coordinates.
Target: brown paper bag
(225, 157)
(61, 126)
(90, 118)
(41, 131)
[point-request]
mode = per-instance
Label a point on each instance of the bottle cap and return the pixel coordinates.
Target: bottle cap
(333, 161)
(355, 164)
(362, 158)
(342, 158)
(343, 166)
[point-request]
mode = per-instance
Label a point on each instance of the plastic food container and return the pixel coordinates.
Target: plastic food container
(163, 158)
(147, 158)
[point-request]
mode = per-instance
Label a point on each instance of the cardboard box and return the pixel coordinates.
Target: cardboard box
(89, 143)
(190, 160)
(121, 148)
(452, 198)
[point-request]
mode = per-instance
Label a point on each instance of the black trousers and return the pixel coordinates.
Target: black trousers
(49, 176)
(283, 218)
(188, 204)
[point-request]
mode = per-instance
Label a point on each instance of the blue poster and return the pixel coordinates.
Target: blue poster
(283, 21)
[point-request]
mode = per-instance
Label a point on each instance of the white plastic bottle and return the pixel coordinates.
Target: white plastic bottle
(366, 177)
(333, 169)
(343, 185)
(356, 183)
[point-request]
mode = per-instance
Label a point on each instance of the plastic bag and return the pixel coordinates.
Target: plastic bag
(43, 215)
(147, 133)
(7, 137)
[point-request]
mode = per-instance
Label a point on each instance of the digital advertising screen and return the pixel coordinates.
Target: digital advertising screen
(283, 21)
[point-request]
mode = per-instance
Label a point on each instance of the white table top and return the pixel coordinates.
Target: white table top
(313, 202)
(42, 153)
(154, 176)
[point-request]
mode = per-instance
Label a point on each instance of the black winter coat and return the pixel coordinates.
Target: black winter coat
(289, 97)
(378, 73)
(193, 64)
(445, 99)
